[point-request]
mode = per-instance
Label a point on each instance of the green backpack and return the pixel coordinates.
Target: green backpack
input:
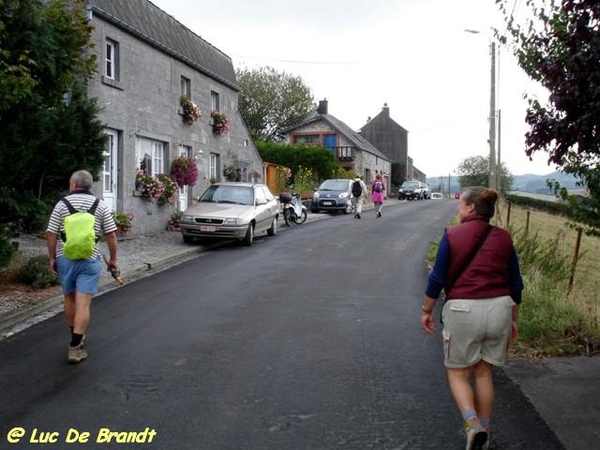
(79, 232)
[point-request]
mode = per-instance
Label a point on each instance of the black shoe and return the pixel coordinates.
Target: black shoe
(358, 216)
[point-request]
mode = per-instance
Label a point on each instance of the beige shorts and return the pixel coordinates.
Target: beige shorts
(476, 330)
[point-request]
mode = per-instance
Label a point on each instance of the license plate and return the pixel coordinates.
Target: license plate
(327, 203)
(208, 229)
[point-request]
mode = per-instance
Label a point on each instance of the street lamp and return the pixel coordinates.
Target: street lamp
(494, 175)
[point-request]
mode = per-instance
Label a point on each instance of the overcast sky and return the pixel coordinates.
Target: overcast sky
(413, 55)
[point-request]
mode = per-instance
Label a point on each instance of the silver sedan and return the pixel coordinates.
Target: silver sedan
(231, 211)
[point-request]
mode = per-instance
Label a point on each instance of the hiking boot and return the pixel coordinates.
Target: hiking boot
(487, 444)
(477, 437)
(77, 354)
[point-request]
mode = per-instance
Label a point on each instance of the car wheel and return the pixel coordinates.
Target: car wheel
(273, 230)
(249, 239)
(188, 239)
(314, 210)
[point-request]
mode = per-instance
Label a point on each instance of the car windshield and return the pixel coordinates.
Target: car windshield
(334, 185)
(410, 185)
(237, 195)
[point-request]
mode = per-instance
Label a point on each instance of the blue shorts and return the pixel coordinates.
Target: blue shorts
(81, 276)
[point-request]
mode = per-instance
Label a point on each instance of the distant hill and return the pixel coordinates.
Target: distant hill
(537, 183)
(526, 183)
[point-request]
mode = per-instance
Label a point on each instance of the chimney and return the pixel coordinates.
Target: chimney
(322, 109)
(386, 110)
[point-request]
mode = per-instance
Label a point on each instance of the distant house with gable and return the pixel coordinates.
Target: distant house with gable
(148, 61)
(353, 151)
(391, 139)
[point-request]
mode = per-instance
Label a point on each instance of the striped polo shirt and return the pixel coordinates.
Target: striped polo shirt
(81, 201)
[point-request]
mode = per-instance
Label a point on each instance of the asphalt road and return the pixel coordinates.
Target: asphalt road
(308, 340)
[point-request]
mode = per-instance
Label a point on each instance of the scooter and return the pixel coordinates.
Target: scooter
(293, 209)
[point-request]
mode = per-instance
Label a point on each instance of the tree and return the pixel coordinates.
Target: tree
(559, 47)
(475, 171)
(49, 127)
(398, 173)
(271, 101)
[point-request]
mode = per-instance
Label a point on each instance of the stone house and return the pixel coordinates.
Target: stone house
(147, 61)
(353, 151)
(392, 140)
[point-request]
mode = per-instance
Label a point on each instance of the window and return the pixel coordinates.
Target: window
(111, 60)
(150, 155)
(109, 155)
(307, 139)
(260, 197)
(214, 167)
(214, 101)
(186, 87)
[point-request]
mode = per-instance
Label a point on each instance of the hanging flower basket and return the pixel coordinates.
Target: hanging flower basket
(191, 112)
(232, 173)
(150, 187)
(184, 171)
(219, 122)
(161, 188)
(169, 194)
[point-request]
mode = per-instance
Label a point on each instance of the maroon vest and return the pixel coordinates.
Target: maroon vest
(487, 274)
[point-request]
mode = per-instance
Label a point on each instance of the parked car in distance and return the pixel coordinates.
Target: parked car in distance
(333, 195)
(414, 190)
(436, 196)
(231, 211)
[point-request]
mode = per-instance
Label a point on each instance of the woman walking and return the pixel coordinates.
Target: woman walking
(477, 266)
(378, 194)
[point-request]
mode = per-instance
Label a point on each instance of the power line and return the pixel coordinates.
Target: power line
(334, 63)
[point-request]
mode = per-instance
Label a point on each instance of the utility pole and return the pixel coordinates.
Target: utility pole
(499, 161)
(492, 182)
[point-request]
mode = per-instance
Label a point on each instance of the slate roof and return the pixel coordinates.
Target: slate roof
(352, 136)
(149, 23)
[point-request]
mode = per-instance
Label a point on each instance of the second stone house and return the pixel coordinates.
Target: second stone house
(352, 150)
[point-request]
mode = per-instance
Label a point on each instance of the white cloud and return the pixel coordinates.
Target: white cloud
(411, 54)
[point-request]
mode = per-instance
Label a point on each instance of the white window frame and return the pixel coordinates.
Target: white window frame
(154, 151)
(186, 87)
(215, 102)
(111, 60)
(214, 167)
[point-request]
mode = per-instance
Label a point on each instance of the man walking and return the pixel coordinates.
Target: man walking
(359, 191)
(79, 219)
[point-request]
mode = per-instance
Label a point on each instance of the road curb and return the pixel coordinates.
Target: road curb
(27, 316)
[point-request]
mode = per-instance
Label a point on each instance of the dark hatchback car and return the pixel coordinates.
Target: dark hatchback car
(333, 195)
(413, 190)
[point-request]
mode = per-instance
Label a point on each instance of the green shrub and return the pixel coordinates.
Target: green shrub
(36, 272)
(6, 248)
